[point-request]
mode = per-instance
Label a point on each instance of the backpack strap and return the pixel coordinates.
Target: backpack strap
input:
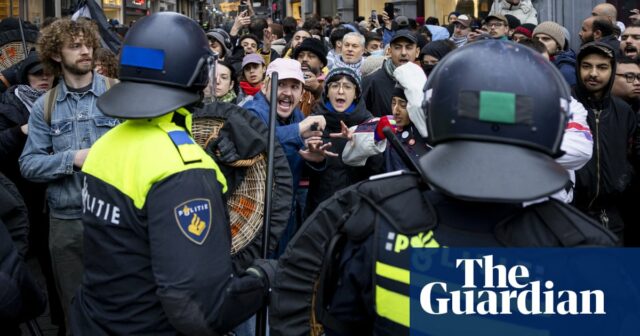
(51, 95)
(49, 103)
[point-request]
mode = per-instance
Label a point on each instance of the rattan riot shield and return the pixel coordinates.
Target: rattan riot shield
(215, 127)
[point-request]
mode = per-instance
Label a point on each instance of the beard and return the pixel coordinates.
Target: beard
(587, 39)
(77, 68)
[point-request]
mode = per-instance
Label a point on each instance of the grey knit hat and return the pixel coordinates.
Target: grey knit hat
(552, 29)
(331, 77)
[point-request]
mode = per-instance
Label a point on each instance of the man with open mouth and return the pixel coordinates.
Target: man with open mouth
(630, 41)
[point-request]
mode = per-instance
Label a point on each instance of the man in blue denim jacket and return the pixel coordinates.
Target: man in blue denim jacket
(58, 144)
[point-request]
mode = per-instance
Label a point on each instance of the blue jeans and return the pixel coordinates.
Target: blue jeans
(246, 328)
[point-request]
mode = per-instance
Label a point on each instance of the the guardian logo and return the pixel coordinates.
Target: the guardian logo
(512, 293)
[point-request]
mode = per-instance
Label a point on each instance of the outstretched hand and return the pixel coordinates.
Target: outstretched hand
(316, 150)
(345, 133)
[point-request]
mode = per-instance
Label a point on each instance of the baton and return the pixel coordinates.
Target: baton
(24, 41)
(261, 320)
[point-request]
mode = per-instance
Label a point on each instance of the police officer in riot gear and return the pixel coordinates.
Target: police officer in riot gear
(157, 236)
(495, 136)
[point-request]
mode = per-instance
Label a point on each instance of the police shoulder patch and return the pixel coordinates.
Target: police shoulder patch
(194, 219)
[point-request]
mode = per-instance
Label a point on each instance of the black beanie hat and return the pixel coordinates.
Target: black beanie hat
(437, 49)
(312, 45)
(398, 91)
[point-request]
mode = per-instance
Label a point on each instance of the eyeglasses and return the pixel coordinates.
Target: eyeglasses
(495, 24)
(335, 86)
(630, 76)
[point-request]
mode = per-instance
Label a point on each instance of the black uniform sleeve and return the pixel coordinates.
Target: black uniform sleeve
(20, 297)
(12, 139)
(352, 303)
(189, 239)
(14, 215)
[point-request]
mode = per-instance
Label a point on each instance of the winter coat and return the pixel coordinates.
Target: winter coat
(565, 61)
(287, 132)
(21, 298)
(338, 175)
(612, 42)
(525, 12)
(279, 45)
(14, 114)
(600, 183)
(377, 91)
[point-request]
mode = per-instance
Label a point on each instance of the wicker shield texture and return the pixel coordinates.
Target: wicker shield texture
(215, 127)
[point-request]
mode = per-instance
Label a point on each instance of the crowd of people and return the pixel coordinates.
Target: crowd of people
(340, 85)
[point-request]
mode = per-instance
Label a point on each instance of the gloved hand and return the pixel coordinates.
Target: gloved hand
(385, 121)
(224, 149)
(264, 269)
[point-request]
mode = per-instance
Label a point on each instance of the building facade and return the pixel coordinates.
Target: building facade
(569, 13)
(124, 11)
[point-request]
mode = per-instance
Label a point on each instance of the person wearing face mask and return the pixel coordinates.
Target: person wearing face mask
(373, 45)
(433, 52)
(377, 87)
(340, 105)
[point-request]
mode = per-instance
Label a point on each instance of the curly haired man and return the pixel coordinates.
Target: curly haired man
(63, 125)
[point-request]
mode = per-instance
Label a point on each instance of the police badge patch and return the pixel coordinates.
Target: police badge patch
(194, 219)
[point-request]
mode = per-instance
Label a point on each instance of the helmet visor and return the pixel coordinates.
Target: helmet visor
(210, 88)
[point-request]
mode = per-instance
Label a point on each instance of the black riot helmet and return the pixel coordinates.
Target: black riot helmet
(165, 63)
(496, 115)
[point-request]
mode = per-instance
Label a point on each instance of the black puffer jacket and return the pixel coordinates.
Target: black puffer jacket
(600, 183)
(337, 175)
